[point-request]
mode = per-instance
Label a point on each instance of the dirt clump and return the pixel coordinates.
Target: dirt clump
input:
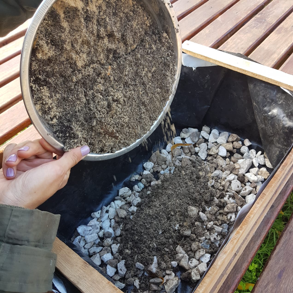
(100, 72)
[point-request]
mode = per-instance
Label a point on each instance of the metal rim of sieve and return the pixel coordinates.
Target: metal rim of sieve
(45, 132)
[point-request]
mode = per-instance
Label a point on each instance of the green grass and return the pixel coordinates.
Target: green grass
(255, 268)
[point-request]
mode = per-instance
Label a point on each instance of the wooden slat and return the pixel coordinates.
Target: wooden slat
(277, 275)
(12, 121)
(229, 22)
(256, 30)
(15, 34)
(201, 17)
(29, 133)
(275, 49)
(79, 272)
(10, 94)
(227, 270)
(9, 70)
(11, 50)
(184, 7)
(288, 65)
(238, 64)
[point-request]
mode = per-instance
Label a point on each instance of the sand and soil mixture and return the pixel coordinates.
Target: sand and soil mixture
(101, 72)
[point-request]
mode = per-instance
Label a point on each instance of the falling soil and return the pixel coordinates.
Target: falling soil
(101, 72)
(162, 221)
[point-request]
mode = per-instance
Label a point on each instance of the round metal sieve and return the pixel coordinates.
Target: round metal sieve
(166, 20)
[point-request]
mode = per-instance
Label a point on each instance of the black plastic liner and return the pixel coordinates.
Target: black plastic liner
(213, 96)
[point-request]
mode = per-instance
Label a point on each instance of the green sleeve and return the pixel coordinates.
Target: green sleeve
(15, 12)
(26, 239)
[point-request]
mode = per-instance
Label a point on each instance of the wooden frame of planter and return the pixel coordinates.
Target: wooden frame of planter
(235, 257)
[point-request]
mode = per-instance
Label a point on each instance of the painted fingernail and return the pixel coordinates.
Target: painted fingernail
(12, 158)
(25, 148)
(9, 172)
(84, 150)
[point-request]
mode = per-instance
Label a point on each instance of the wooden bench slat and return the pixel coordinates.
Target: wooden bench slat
(11, 50)
(229, 22)
(258, 28)
(184, 7)
(277, 275)
(275, 49)
(288, 65)
(12, 121)
(197, 20)
(10, 94)
(9, 70)
(15, 34)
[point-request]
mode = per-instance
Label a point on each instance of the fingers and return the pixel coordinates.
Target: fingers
(71, 158)
(29, 164)
(9, 171)
(15, 153)
(49, 148)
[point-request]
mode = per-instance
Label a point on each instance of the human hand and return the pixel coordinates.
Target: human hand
(30, 174)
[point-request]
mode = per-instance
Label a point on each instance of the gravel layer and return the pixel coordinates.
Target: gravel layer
(167, 229)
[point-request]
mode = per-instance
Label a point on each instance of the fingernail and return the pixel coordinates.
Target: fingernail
(9, 172)
(25, 148)
(12, 158)
(84, 150)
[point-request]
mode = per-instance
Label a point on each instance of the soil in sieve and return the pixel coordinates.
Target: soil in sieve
(156, 228)
(100, 72)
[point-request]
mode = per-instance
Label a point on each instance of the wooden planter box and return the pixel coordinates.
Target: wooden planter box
(236, 255)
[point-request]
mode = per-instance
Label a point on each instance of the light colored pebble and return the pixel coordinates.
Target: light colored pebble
(250, 198)
(115, 248)
(222, 151)
(205, 258)
(203, 216)
(214, 135)
(139, 266)
(110, 271)
(106, 257)
(121, 268)
(124, 192)
(223, 138)
(247, 142)
(96, 259)
(244, 149)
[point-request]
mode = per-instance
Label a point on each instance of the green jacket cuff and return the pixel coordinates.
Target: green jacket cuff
(26, 239)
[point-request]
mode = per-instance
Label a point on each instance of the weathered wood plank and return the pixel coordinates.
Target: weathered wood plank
(277, 275)
(28, 134)
(11, 50)
(184, 7)
(229, 22)
(15, 34)
(12, 121)
(79, 272)
(288, 65)
(239, 251)
(10, 94)
(258, 28)
(277, 47)
(201, 17)
(9, 70)
(238, 64)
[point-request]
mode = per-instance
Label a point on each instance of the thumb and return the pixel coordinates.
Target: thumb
(71, 158)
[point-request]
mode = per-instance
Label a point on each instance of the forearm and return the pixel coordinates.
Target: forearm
(26, 238)
(14, 12)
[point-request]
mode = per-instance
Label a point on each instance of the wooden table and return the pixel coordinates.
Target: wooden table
(259, 29)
